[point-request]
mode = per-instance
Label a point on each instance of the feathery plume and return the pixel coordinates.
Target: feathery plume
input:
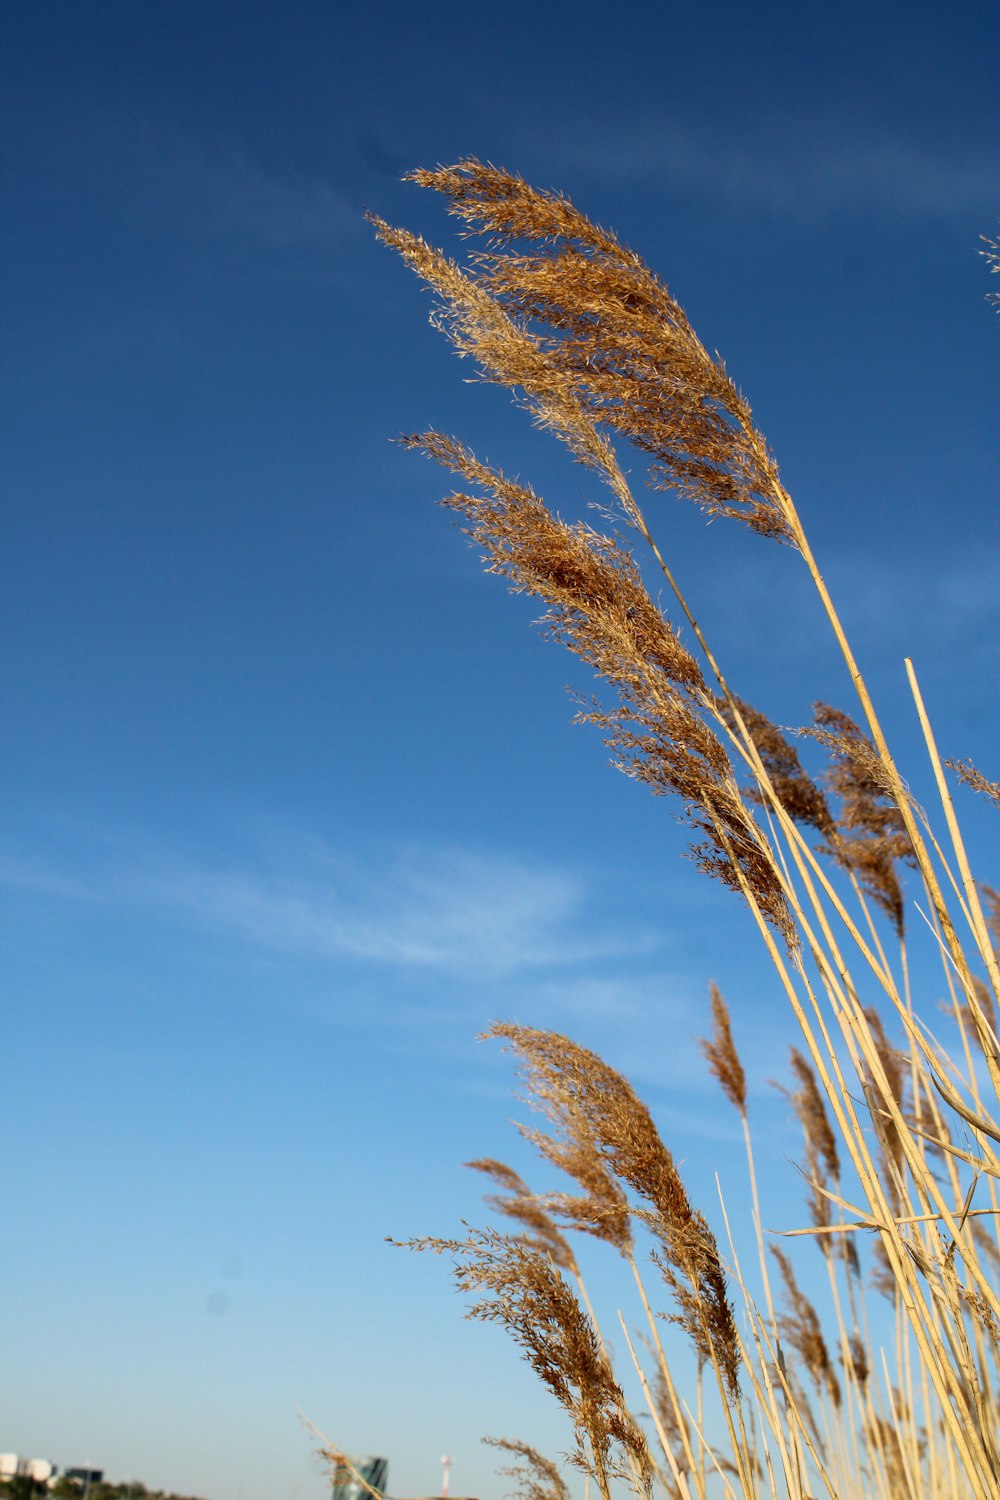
(815, 1122)
(720, 1052)
(801, 1327)
(602, 1211)
(871, 837)
(538, 1478)
(798, 794)
(967, 773)
(859, 1359)
(517, 1202)
(984, 1003)
(886, 1130)
(822, 1164)
(527, 1295)
(613, 329)
(599, 608)
(580, 1093)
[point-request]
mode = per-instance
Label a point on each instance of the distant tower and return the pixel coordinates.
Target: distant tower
(445, 1471)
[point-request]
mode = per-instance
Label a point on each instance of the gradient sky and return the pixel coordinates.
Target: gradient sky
(292, 802)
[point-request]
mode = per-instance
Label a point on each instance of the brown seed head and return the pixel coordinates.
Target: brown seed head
(811, 1110)
(984, 1004)
(602, 1210)
(609, 325)
(886, 1130)
(871, 837)
(822, 1163)
(800, 797)
(586, 1099)
(883, 1278)
(720, 1052)
(526, 1294)
(801, 1327)
(538, 1478)
(599, 608)
(968, 774)
(525, 1208)
(859, 1360)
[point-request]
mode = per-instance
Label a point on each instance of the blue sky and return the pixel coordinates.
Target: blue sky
(292, 803)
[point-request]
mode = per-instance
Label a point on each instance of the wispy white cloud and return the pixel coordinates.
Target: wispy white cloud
(453, 911)
(954, 599)
(196, 187)
(450, 911)
(802, 171)
(220, 189)
(33, 876)
(935, 608)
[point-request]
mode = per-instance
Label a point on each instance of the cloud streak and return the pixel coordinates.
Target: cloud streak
(795, 174)
(211, 188)
(449, 911)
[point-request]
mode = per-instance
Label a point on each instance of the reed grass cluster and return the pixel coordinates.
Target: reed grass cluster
(795, 1394)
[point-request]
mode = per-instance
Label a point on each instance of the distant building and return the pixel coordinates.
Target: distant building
(13, 1466)
(86, 1477)
(374, 1472)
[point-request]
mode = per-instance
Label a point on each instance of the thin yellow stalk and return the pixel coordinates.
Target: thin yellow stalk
(679, 1477)
(664, 1368)
(876, 1447)
(800, 1430)
(952, 1466)
(911, 1477)
(706, 1448)
(755, 1205)
(739, 1448)
(765, 1394)
(847, 1360)
(333, 1454)
(700, 1424)
(900, 794)
(978, 921)
(633, 1462)
(910, 1428)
